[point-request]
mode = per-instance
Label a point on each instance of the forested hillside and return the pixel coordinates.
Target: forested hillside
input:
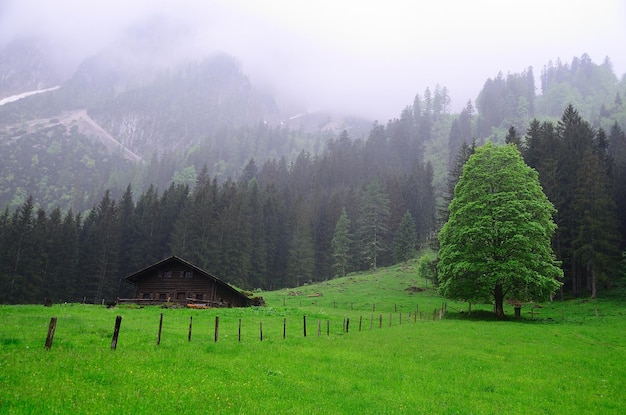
(276, 225)
(170, 122)
(107, 175)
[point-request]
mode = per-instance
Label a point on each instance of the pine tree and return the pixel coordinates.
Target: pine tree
(258, 257)
(464, 153)
(617, 148)
(341, 244)
(405, 243)
(275, 224)
(301, 257)
(576, 140)
(100, 251)
(17, 288)
(128, 233)
(171, 204)
(596, 241)
(144, 222)
(513, 138)
(372, 224)
(66, 258)
(234, 234)
(5, 255)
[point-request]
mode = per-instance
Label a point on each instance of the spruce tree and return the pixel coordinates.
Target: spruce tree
(341, 245)
(372, 224)
(301, 257)
(596, 241)
(405, 243)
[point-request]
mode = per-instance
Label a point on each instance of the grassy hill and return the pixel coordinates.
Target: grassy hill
(569, 358)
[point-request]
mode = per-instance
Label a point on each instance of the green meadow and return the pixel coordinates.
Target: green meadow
(396, 356)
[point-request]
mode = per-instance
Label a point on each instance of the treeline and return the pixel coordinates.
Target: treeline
(358, 205)
(510, 100)
(583, 173)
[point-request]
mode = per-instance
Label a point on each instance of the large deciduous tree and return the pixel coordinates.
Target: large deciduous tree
(496, 242)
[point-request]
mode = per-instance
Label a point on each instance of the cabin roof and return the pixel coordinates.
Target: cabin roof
(139, 275)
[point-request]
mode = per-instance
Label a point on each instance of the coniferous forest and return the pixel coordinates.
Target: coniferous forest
(274, 226)
(356, 204)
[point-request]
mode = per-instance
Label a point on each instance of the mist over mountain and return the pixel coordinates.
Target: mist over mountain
(25, 66)
(150, 93)
(126, 116)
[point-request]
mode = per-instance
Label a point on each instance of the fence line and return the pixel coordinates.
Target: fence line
(345, 327)
(85, 332)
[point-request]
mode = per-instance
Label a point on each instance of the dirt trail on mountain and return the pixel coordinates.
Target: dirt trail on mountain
(88, 126)
(84, 124)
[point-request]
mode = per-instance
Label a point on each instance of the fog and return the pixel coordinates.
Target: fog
(365, 58)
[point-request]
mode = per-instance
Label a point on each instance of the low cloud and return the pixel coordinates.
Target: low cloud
(360, 57)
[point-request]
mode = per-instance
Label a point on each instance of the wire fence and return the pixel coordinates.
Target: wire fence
(96, 327)
(134, 330)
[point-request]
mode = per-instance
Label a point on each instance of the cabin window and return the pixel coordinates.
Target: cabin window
(162, 296)
(188, 274)
(180, 296)
(199, 296)
(146, 296)
(167, 274)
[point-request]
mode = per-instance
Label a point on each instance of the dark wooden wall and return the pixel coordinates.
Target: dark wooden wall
(179, 284)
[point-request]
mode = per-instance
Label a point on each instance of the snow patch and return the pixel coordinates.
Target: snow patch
(13, 98)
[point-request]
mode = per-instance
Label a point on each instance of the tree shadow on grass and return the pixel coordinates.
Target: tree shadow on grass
(485, 315)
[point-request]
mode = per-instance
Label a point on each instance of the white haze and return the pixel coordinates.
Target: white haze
(364, 57)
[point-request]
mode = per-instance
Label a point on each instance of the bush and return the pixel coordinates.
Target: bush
(427, 267)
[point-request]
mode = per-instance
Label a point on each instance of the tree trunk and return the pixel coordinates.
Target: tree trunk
(498, 296)
(594, 289)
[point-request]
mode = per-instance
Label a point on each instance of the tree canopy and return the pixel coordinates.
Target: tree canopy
(496, 244)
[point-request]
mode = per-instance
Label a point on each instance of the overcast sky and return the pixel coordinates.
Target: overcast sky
(365, 57)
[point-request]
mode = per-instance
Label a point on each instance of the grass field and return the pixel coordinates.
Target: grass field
(570, 359)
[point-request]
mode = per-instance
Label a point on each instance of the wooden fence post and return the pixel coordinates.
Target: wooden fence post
(116, 332)
(360, 322)
(380, 322)
(51, 328)
(260, 330)
(284, 327)
(328, 327)
(304, 325)
(390, 318)
(239, 332)
(347, 324)
(319, 327)
(190, 324)
(160, 328)
(217, 325)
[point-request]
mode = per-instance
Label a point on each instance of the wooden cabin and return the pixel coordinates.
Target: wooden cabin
(175, 280)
